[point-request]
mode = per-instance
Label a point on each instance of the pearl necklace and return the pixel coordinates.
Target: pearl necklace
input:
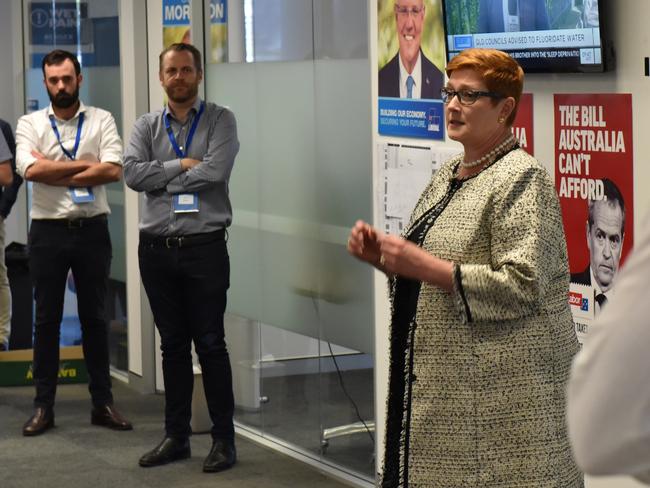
(507, 144)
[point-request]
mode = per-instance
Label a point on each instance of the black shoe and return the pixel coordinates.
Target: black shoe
(38, 423)
(222, 456)
(108, 416)
(169, 450)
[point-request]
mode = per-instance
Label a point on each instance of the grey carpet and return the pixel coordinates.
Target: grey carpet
(76, 454)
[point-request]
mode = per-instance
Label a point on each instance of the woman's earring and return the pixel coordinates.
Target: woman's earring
(502, 120)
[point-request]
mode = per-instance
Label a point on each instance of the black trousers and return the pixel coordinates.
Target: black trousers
(187, 289)
(54, 249)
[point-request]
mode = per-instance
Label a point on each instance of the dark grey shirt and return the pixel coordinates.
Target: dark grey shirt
(8, 194)
(5, 153)
(151, 166)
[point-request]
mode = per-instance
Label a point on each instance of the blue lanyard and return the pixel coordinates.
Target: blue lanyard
(190, 135)
(70, 154)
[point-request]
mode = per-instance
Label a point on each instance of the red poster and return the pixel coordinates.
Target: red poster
(594, 180)
(523, 125)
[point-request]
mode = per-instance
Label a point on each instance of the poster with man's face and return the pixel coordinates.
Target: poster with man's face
(410, 44)
(594, 180)
(411, 56)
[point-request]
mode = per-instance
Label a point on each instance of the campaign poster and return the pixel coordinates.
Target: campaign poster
(218, 31)
(522, 127)
(594, 181)
(410, 71)
(177, 22)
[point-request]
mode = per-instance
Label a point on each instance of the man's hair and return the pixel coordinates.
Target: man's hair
(181, 46)
(612, 197)
(57, 57)
(500, 72)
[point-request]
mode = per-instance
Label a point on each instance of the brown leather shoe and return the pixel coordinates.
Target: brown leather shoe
(107, 416)
(38, 423)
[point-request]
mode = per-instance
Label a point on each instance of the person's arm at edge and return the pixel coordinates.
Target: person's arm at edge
(10, 193)
(6, 173)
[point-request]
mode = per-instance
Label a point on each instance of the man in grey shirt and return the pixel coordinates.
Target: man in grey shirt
(9, 183)
(181, 158)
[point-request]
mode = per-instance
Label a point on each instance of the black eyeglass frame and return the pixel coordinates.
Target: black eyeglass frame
(448, 95)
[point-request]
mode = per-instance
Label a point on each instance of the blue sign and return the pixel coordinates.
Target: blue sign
(411, 118)
(56, 24)
(218, 12)
(463, 42)
(176, 12)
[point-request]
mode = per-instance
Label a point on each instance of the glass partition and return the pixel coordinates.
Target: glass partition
(89, 29)
(300, 317)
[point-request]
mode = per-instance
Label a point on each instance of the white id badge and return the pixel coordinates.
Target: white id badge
(82, 195)
(185, 202)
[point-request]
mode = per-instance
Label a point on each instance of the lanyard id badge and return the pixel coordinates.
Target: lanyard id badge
(78, 194)
(184, 202)
(82, 195)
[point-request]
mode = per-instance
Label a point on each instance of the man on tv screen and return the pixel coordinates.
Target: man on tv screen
(410, 74)
(512, 16)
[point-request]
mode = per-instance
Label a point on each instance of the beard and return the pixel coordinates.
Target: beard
(64, 99)
(190, 92)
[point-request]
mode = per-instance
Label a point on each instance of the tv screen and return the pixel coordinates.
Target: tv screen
(542, 35)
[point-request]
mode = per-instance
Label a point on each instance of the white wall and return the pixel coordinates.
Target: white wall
(627, 27)
(11, 104)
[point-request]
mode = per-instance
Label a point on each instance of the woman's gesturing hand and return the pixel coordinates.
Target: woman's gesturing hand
(402, 257)
(363, 243)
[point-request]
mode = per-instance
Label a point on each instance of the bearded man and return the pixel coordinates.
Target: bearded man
(69, 151)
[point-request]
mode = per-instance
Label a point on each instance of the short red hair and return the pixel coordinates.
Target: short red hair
(501, 73)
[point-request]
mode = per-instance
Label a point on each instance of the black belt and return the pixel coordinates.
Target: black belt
(75, 223)
(182, 241)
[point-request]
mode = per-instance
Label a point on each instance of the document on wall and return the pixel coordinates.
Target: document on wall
(404, 172)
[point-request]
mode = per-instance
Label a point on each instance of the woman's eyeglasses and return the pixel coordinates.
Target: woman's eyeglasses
(467, 97)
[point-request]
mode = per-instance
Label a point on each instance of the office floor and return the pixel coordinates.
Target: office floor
(300, 405)
(76, 454)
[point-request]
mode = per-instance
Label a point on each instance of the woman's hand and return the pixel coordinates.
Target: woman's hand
(402, 257)
(363, 243)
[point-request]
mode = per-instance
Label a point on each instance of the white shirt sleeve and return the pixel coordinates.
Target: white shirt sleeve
(110, 149)
(26, 141)
(609, 392)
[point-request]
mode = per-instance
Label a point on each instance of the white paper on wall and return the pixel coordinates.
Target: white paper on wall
(404, 172)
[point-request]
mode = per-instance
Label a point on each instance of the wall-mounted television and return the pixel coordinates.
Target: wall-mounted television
(544, 36)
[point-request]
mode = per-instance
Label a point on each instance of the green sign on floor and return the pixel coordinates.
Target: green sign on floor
(16, 367)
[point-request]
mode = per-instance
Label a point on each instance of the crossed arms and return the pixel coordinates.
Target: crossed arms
(145, 171)
(36, 166)
(71, 173)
